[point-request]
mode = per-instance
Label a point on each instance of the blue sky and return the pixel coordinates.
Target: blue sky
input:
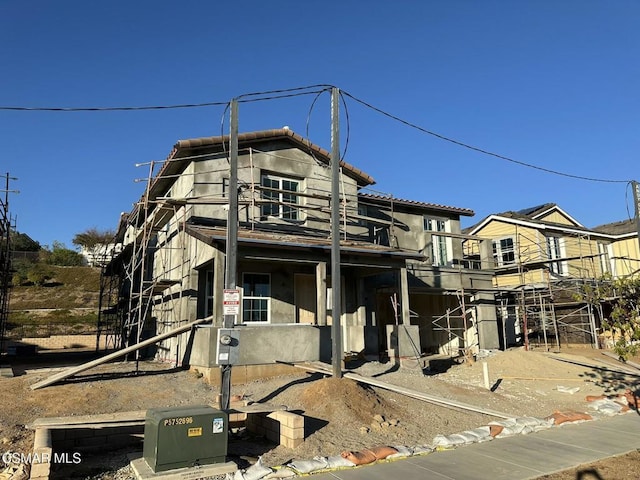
(549, 83)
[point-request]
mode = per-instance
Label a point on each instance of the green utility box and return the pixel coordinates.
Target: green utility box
(184, 437)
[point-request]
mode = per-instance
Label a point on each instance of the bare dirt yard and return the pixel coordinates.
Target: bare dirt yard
(340, 414)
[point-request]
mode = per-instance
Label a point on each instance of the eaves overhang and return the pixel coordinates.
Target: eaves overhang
(216, 236)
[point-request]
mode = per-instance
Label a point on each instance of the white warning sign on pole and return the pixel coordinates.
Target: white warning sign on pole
(231, 302)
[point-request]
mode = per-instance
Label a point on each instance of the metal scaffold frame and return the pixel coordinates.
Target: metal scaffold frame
(552, 311)
(5, 262)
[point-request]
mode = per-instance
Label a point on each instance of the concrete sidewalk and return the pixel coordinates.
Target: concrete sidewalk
(513, 458)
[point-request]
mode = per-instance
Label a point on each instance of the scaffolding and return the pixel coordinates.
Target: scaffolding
(5, 263)
(459, 323)
(548, 303)
(137, 293)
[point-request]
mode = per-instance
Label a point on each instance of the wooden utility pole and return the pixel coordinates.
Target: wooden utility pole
(336, 332)
(231, 248)
(636, 201)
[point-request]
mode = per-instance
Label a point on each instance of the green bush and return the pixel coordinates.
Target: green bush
(38, 274)
(62, 256)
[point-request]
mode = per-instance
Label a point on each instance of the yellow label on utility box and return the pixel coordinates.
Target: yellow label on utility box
(194, 432)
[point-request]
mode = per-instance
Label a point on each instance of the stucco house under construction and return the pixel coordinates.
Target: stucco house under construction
(407, 289)
(543, 259)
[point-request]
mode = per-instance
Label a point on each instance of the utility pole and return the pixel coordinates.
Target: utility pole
(636, 201)
(232, 244)
(336, 337)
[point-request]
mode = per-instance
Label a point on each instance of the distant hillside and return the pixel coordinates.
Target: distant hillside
(70, 287)
(71, 296)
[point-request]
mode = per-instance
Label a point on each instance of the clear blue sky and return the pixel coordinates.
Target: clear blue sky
(551, 83)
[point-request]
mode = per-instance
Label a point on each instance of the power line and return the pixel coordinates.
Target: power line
(275, 94)
(308, 90)
(112, 109)
(477, 149)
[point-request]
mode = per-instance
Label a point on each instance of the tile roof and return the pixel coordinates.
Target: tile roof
(414, 203)
(254, 137)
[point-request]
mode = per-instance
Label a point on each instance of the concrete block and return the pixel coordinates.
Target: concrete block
(292, 432)
(290, 442)
(40, 470)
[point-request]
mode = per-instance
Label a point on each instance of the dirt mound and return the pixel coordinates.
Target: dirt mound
(343, 397)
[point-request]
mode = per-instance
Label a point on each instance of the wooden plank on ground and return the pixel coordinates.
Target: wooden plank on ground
(117, 417)
(94, 363)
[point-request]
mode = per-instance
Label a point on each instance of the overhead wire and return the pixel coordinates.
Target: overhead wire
(112, 109)
(307, 90)
(477, 149)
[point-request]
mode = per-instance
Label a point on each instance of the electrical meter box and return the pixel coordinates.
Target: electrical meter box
(184, 437)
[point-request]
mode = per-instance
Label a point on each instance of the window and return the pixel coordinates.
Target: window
(257, 297)
(362, 212)
(555, 248)
(603, 252)
(208, 294)
(503, 252)
(440, 245)
(281, 194)
(225, 187)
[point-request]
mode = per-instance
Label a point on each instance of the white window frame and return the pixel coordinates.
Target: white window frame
(499, 251)
(282, 207)
(248, 297)
(443, 254)
(556, 249)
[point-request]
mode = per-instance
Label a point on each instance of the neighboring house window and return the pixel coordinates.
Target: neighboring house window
(256, 297)
(504, 252)
(283, 195)
(440, 245)
(555, 251)
(603, 252)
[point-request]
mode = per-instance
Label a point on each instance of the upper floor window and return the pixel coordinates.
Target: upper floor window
(281, 196)
(555, 251)
(440, 245)
(362, 212)
(225, 187)
(504, 252)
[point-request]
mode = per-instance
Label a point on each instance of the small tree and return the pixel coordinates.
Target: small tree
(622, 296)
(62, 256)
(94, 241)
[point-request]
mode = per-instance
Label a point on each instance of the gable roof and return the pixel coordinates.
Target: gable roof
(532, 217)
(183, 151)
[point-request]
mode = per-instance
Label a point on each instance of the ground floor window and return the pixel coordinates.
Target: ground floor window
(257, 297)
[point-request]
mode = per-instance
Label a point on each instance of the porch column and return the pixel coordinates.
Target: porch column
(321, 293)
(488, 337)
(404, 296)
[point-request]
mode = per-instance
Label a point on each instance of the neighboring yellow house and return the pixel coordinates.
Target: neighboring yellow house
(623, 253)
(543, 257)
